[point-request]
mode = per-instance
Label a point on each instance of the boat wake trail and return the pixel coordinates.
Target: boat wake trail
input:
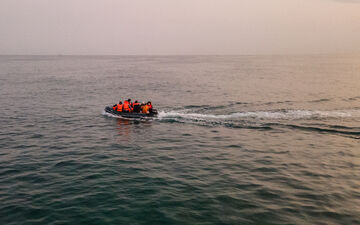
(276, 114)
(300, 120)
(304, 120)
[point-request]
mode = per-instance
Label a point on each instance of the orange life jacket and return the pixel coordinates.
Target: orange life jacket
(119, 107)
(126, 106)
(114, 107)
(145, 109)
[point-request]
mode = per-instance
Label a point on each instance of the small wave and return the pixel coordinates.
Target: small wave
(355, 134)
(321, 100)
(353, 98)
(281, 114)
(196, 106)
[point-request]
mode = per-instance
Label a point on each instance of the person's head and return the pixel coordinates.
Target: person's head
(129, 100)
(120, 102)
(136, 101)
(148, 103)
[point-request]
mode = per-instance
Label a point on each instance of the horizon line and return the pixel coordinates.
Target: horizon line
(263, 54)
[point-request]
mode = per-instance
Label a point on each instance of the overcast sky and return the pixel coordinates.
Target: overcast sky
(179, 26)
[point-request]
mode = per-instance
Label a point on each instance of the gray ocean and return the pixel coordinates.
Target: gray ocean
(238, 140)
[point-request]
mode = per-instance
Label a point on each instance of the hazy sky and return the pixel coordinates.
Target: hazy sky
(179, 26)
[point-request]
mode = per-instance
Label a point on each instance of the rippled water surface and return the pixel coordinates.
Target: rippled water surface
(239, 140)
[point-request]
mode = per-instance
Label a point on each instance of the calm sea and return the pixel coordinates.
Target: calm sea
(239, 140)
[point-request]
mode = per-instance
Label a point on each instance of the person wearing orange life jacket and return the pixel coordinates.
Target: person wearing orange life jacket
(119, 106)
(131, 105)
(136, 107)
(150, 106)
(142, 106)
(145, 108)
(127, 106)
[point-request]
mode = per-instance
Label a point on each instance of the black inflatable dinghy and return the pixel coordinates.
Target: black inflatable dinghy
(134, 115)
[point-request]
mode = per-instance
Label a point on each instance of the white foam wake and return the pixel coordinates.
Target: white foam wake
(288, 114)
(109, 114)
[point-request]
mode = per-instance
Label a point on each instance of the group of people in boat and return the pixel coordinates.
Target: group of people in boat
(135, 107)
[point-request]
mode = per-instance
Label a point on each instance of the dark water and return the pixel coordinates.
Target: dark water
(239, 140)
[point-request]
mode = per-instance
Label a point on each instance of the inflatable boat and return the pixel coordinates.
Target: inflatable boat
(134, 115)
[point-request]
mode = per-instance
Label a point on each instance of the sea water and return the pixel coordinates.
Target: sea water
(238, 140)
